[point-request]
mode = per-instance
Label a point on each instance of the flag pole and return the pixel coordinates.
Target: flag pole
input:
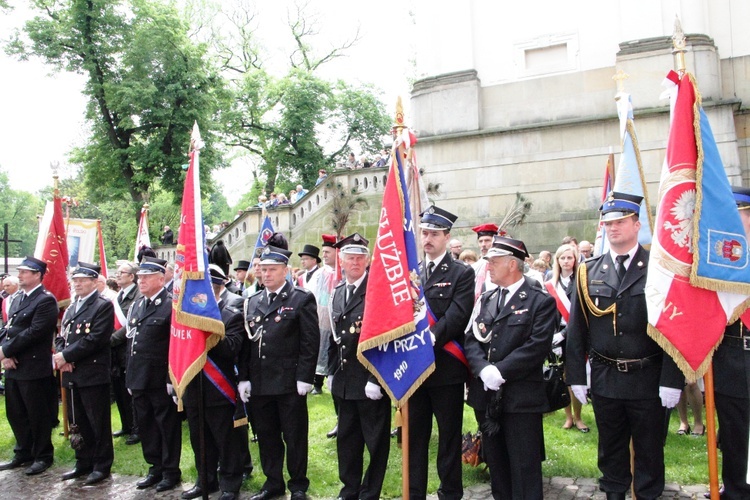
(63, 394)
(711, 445)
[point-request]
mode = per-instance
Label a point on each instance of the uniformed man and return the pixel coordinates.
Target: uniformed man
(327, 281)
(364, 415)
(26, 356)
(731, 365)
(83, 358)
(241, 272)
(448, 289)
(485, 234)
(9, 293)
(277, 366)
(149, 324)
(127, 280)
(632, 379)
(507, 344)
(219, 398)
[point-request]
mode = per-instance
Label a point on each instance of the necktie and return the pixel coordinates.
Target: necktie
(272, 297)
(430, 268)
(308, 275)
(147, 302)
(120, 296)
(78, 306)
(21, 298)
(349, 293)
(503, 296)
(621, 265)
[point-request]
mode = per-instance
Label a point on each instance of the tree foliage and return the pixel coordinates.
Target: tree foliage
(19, 210)
(147, 83)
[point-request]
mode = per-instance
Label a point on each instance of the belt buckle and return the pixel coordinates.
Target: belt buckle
(746, 343)
(622, 366)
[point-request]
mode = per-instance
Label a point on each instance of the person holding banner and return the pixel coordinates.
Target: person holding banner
(731, 365)
(364, 415)
(449, 293)
(222, 444)
(508, 341)
(632, 378)
(277, 367)
(149, 325)
(83, 358)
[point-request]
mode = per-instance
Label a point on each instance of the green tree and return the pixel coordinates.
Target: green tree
(147, 83)
(19, 210)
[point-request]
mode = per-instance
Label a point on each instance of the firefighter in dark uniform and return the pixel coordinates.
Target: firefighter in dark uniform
(127, 281)
(83, 358)
(219, 399)
(731, 365)
(149, 324)
(632, 378)
(364, 414)
(26, 356)
(507, 344)
(277, 366)
(449, 291)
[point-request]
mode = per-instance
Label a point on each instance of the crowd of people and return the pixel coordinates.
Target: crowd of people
(499, 317)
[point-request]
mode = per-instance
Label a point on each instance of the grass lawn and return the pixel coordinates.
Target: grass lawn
(569, 453)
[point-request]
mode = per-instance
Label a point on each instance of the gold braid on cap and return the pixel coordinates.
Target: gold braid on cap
(583, 291)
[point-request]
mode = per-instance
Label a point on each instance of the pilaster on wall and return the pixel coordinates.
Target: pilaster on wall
(446, 104)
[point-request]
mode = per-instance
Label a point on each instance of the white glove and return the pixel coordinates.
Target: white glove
(130, 391)
(557, 351)
(579, 391)
(329, 383)
(558, 339)
(432, 336)
(669, 396)
(303, 388)
(170, 389)
(491, 377)
(244, 390)
(372, 391)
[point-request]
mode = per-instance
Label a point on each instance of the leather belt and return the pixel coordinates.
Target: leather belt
(742, 342)
(625, 365)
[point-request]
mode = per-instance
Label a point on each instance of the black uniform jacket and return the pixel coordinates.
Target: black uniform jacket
(84, 341)
(521, 338)
(450, 295)
(117, 340)
(29, 334)
(287, 349)
(349, 376)
(622, 336)
(148, 349)
(732, 364)
(224, 354)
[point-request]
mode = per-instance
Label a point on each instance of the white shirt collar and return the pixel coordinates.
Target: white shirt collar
(512, 289)
(613, 255)
(358, 282)
(437, 261)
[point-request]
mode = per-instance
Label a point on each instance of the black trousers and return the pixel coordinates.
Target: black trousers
(160, 431)
(734, 423)
(222, 445)
(27, 406)
(89, 408)
(363, 422)
(124, 401)
(618, 420)
(282, 420)
(446, 403)
(514, 456)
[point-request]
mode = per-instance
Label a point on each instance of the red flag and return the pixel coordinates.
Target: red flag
(55, 254)
(102, 255)
(196, 320)
(142, 239)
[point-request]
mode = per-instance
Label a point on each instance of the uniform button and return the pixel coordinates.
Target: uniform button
(494, 349)
(134, 353)
(135, 342)
(619, 315)
(619, 296)
(619, 333)
(264, 343)
(263, 357)
(343, 317)
(344, 361)
(343, 347)
(494, 336)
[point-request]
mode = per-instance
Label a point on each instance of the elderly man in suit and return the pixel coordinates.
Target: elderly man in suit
(508, 341)
(149, 323)
(448, 289)
(26, 356)
(83, 358)
(632, 378)
(364, 414)
(277, 366)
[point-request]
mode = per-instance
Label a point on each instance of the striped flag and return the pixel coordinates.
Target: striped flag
(142, 239)
(600, 243)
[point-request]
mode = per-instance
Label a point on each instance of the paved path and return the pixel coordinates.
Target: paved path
(16, 485)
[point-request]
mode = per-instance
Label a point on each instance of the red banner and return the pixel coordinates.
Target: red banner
(55, 254)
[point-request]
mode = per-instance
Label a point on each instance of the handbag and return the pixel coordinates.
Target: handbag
(471, 448)
(558, 396)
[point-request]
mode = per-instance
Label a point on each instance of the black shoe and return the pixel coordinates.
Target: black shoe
(316, 391)
(708, 493)
(228, 495)
(96, 477)
(15, 463)
(76, 473)
(196, 491)
(299, 495)
(266, 495)
(167, 484)
(133, 439)
(615, 496)
(38, 467)
(394, 432)
(247, 473)
(254, 439)
(120, 433)
(333, 432)
(148, 481)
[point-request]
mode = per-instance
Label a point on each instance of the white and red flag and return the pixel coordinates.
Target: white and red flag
(142, 239)
(55, 254)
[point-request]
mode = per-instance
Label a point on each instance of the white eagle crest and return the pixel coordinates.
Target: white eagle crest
(682, 210)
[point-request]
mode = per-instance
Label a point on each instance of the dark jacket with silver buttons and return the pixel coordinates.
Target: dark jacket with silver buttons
(149, 329)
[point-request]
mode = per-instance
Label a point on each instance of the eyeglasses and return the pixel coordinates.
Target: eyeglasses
(120, 273)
